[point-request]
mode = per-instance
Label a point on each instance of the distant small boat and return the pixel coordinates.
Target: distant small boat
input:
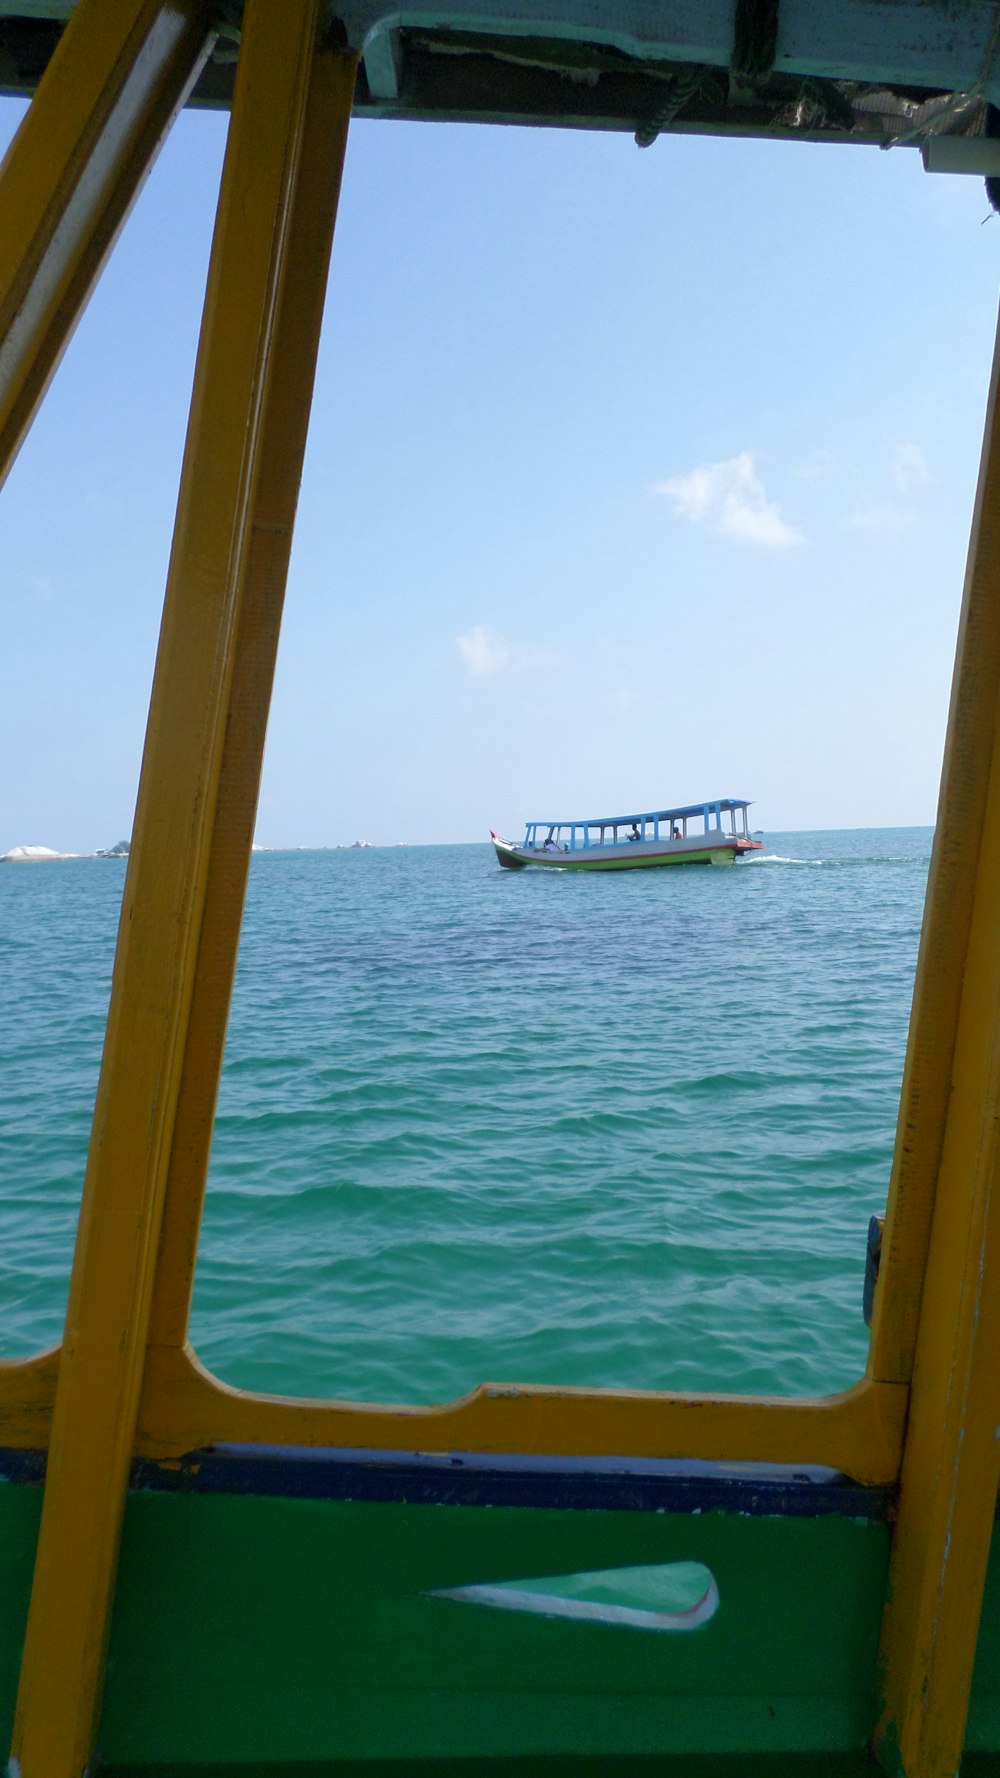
(715, 832)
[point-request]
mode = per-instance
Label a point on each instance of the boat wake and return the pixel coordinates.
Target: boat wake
(775, 858)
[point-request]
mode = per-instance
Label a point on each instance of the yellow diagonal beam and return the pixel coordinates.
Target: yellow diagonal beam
(951, 1456)
(289, 395)
(162, 914)
(103, 107)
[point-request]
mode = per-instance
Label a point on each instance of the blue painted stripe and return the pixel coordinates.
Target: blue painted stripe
(469, 1478)
(474, 1479)
(22, 1466)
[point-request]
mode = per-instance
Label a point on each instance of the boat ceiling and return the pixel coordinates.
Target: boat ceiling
(915, 72)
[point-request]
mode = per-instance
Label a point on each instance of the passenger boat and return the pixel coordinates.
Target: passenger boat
(196, 1579)
(635, 842)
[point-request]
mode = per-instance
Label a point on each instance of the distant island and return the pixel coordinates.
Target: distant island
(45, 854)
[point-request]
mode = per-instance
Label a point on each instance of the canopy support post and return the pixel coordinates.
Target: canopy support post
(944, 1215)
(105, 104)
(286, 420)
(234, 515)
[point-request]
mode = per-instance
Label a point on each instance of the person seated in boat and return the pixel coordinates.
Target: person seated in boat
(551, 846)
(676, 835)
(635, 834)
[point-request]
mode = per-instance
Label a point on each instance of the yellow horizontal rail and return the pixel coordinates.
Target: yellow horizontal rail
(859, 1431)
(184, 1408)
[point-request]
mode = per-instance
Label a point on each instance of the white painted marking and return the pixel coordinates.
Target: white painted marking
(559, 1597)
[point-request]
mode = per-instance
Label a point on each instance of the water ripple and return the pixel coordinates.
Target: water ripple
(610, 1130)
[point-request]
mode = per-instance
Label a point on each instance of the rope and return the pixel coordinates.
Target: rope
(681, 92)
(755, 41)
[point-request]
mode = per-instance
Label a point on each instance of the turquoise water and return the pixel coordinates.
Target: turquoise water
(480, 1124)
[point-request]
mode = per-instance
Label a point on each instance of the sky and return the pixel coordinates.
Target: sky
(633, 477)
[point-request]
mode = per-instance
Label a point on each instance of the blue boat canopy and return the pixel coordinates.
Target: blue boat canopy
(688, 810)
(921, 74)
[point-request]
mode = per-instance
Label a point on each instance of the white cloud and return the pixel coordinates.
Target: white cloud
(531, 660)
(878, 515)
(909, 468)
(815, 467)
(484, 652)
(729, 497)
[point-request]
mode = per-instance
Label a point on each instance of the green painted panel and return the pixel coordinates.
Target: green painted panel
(293, 1630)
(247, 1630)
(20, 1511)
(268, 1638)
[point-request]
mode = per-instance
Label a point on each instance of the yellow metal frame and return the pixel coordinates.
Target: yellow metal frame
(940, 1302)
(125, 1381)
(220, 624)
(114, 85)
(184, 1408)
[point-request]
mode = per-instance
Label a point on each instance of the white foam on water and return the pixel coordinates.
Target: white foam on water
(775, 858)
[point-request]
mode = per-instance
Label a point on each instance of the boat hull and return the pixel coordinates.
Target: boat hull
(277, 1606)
(641, 855)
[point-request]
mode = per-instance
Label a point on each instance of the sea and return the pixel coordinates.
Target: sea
(478, 1124)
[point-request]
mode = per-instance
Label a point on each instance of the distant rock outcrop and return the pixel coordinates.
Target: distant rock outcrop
(31, 855)
(45, 854)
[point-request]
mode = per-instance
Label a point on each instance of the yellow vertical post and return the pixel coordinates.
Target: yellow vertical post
(289, 394)
(118, 76)
(951, 1458)
(944, 943)
(162, 915)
